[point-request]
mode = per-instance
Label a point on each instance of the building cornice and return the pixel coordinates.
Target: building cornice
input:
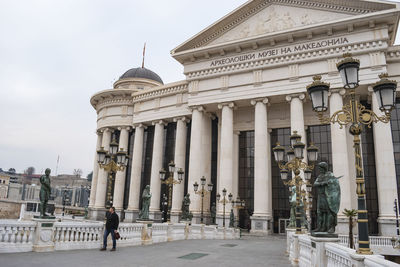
(161, 91)
(293, 58)
(111, 97)
(351, 24)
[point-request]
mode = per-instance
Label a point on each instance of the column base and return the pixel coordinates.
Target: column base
(387, 226)
(220, 222)
(175, 216)
(260, 224)
(121, 214)
(342, 227)
(206, 218)
(156, 216)
(131, 215)
(97, 214)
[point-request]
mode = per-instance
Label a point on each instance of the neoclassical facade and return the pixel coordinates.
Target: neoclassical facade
(245, 90)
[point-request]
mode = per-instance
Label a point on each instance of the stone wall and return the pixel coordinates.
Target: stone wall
(9, 209)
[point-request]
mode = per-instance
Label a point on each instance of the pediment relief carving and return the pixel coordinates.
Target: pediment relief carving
(287, 14)
(277, 18)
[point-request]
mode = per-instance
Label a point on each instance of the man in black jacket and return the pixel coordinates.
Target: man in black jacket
(111, 227)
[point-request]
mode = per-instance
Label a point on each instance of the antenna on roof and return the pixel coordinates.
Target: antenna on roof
(144, 51)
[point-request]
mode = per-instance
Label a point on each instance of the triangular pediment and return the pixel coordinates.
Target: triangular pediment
(275, 18)
(258, 17)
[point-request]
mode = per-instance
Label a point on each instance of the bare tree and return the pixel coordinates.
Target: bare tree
(78, 172)
(30, 170)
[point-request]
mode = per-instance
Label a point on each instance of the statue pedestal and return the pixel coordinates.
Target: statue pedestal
(43, 237)
(147, 233)
(318, 254)
(131, 215)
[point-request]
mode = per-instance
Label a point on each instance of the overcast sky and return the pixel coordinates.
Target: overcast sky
(54, 55)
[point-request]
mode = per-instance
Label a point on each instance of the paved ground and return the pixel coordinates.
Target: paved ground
(248, 252)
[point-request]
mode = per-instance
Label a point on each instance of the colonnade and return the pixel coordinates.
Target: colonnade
(228, 147)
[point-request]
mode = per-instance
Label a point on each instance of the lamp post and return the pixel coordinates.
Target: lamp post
(170, 181)
(112, 161)
(238, 204)
(355, 115)
(295, 164)
(224, 201)
(203, 192)
(164, 203)
(64, 200)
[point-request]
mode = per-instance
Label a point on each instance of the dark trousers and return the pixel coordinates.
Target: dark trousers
(106, 233)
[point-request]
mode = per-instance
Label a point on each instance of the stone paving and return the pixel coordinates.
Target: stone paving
(249, 252)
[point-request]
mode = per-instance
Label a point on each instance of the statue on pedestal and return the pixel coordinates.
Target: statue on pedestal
(146, 196)
(45, 191)
(328, 201)
(292, 202)
(231, 219)
(213, 212)
(186, 214)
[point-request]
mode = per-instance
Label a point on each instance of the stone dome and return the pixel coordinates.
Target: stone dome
(141, 73)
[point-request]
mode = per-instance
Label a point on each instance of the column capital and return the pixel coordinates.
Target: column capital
(198, 108)
(255, 101)
(162, 122)
(183, 119)
(139, 125)
(228, 104)
(300, 96)
(124, 128)
(339, 91)
(106, 129)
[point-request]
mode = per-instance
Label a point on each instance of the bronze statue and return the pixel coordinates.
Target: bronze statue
(45, 191)
(292, 202)
(231, 219)
(213, 212)
(328, 201)
(186, 214)
(146, 196)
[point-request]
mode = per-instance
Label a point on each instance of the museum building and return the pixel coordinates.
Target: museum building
(245, 90)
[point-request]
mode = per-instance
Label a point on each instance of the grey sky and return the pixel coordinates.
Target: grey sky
(54, 55)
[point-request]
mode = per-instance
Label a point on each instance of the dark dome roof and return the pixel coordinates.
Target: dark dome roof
(141, 73)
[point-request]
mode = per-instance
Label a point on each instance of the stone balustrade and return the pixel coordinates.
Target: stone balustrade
(16, 236)
(305, 250)
(77, 235)
(26, 236)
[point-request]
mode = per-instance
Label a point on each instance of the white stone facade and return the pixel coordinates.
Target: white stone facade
(250, 70)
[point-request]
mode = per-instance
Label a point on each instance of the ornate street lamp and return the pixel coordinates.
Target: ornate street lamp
(112, 161)
(170, 181)
(224, 201)
(203, 192)
(355, 115)
(295, 164)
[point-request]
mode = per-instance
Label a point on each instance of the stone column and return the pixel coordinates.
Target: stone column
(156, 166)
(179, 159)
(95, 172)
(206, 167)
(119, 186)
(132, 212)
(385, 172)
(102, 178)
(261, 217)
(226, 159)
(340, 161)
(235, 172)
(296, 115)
(195, 156)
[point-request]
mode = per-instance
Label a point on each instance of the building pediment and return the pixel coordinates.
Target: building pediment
(276, 18)
(263, 17)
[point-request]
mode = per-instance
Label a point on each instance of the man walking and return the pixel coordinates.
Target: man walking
(111, 227)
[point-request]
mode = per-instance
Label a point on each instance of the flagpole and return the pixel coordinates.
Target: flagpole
(144, 51)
